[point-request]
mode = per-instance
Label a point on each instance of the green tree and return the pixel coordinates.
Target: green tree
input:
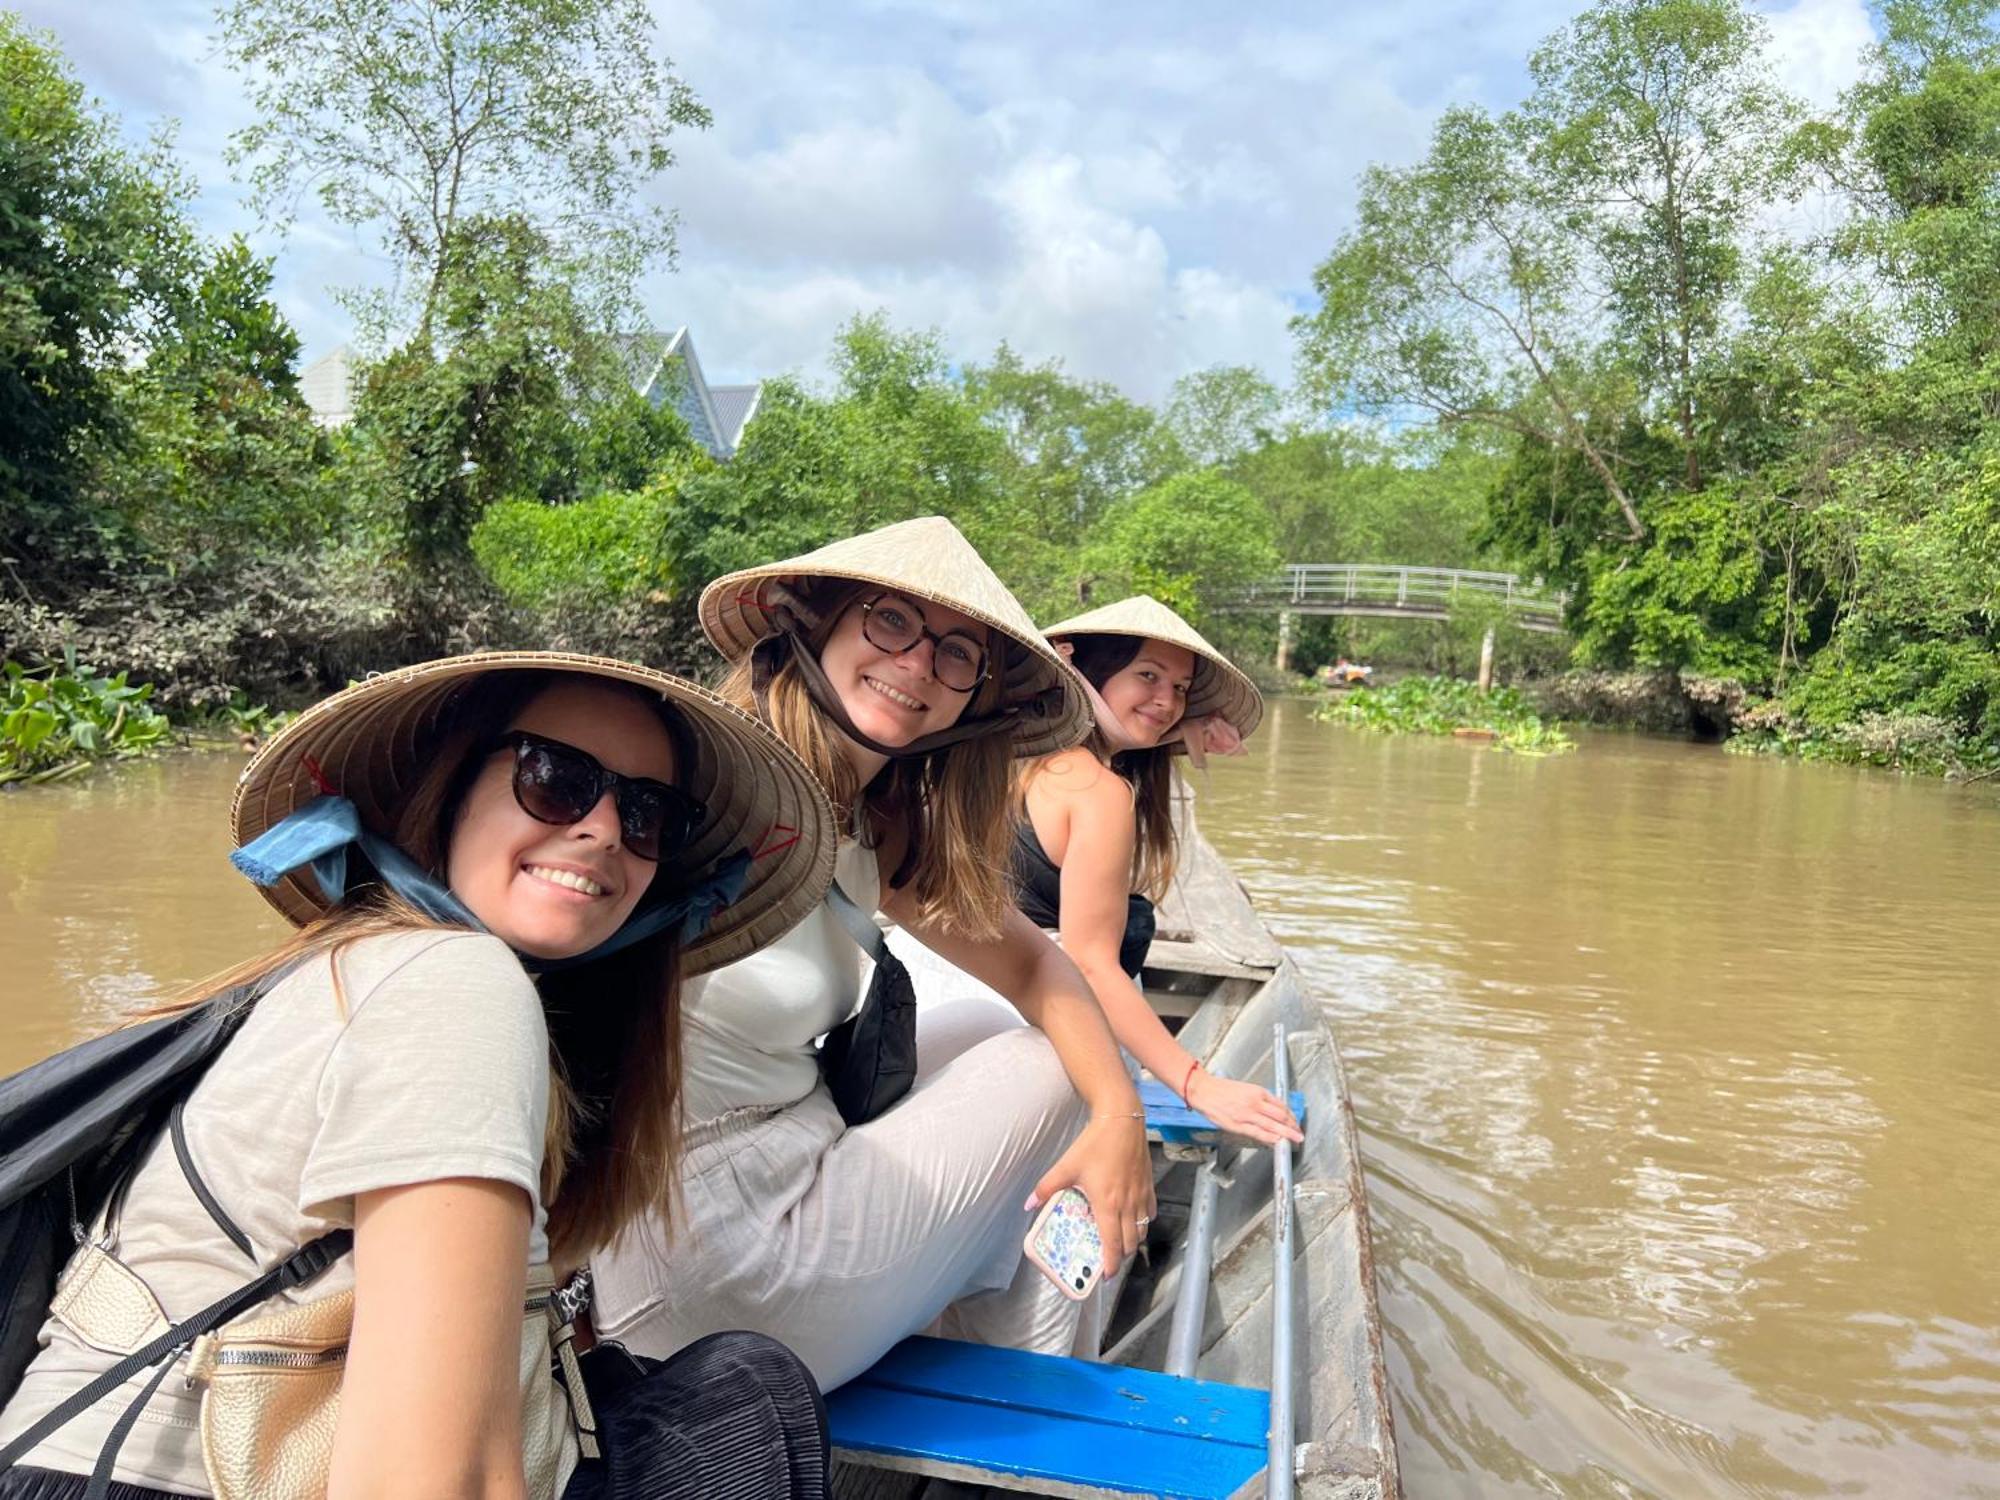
(1662, 133)
(894, 438)
(1567, 268)
(1192, 542)
(1069, 451)
(626, 440)
(225, 461)
(1458, 295)
(94, 253)
(492, 417)
(1921, 153)
(415, 115)
(1342, 495)
(1219, 414)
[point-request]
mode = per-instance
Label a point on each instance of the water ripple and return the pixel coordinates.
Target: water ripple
(1676, 1077)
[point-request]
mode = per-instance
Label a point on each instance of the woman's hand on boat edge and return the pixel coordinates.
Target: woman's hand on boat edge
(1243, 1108)
(1110, 1165)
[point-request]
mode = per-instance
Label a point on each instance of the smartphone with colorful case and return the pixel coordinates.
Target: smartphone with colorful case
(1065, 1245)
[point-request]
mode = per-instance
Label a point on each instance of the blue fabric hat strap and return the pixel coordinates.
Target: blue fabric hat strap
(318, 836)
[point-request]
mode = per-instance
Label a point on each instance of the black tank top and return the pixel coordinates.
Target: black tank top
(1038, 892)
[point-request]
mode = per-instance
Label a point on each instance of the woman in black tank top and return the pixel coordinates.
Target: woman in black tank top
(1038, 892)
(1095, 844)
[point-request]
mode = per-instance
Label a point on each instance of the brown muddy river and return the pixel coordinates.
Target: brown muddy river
(1678, 1077)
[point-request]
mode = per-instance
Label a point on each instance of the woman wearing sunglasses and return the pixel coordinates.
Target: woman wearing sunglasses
(469, 1054)
(909, 679)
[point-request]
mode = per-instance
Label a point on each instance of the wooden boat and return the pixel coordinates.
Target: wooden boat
(936, 1419)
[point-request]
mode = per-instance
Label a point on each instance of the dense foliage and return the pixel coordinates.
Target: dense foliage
(53, 724)
(1745, 453)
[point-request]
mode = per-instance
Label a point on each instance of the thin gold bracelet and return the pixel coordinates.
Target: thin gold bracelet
(1137, 1114)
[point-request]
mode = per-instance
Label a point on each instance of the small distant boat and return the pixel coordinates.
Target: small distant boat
(1346, 674)
(1210, 1363)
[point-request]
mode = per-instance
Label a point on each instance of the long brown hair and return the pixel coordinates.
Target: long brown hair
(1155, 850)
(613, 1133)
(952, 804)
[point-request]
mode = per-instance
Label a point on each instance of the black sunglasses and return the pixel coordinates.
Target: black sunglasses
(558, 783)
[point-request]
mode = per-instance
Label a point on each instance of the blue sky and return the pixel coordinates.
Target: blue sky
(1137, 189)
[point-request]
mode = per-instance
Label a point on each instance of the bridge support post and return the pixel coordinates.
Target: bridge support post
(1486, 661)
(1284, 661)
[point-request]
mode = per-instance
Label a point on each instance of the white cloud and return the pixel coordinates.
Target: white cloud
(1817, 47)
(1136, 189)
(899, 189)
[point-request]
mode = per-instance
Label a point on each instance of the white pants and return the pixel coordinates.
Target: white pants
(956, 1012)
(840, 1243)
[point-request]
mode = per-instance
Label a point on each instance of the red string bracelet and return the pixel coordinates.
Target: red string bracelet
(1192, 1066)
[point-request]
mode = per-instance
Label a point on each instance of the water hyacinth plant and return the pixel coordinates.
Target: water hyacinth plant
(54, 724)
(1445, 705)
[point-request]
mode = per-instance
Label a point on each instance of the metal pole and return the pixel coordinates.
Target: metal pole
(1191, 1301)
(1278, 1463)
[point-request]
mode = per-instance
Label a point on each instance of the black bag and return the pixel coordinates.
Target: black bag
(72, 1129)
(870, 1060)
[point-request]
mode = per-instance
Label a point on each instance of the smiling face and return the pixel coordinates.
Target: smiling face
(547, 890)
(1149, 693)
(897, 698)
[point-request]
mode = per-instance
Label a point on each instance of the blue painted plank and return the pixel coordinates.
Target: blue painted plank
(1167, 1119)
(1074, 1390)
(1038, 1446)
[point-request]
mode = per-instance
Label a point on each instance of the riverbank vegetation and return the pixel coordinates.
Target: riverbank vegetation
(1444, 706)
(53, 724)
(1744, 360)
(1725, 371)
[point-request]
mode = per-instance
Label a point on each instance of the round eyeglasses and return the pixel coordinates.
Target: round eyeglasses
(893, 624)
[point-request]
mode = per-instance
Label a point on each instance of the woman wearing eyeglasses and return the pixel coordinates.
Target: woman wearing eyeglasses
(469, 1056)
(909, 679)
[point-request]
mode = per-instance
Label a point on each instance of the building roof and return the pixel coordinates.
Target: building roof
(735, 405)
(663, 367)
(675, 375)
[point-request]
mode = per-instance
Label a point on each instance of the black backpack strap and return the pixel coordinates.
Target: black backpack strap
(305, 1264)
(208, 1200)
(859, 925)
(99, 1487)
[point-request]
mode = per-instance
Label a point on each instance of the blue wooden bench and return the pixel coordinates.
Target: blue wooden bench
(1173, 1123)
(1015, 1420)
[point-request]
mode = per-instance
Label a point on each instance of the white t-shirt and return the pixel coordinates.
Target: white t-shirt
(750, 1025)
(437, 1066)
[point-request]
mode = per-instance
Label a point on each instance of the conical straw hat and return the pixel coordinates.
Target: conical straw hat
(926, 558)
(1219, 686)
(368, 744)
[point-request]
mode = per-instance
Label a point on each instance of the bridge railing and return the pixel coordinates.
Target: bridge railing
(1385, 585)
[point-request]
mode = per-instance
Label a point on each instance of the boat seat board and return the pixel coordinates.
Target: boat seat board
(1021, 1420)
(1170, 1121)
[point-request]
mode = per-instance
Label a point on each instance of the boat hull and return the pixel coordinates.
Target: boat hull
(1219, 979)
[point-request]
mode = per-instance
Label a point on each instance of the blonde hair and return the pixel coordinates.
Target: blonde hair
(954, 805)
(612, 1142)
